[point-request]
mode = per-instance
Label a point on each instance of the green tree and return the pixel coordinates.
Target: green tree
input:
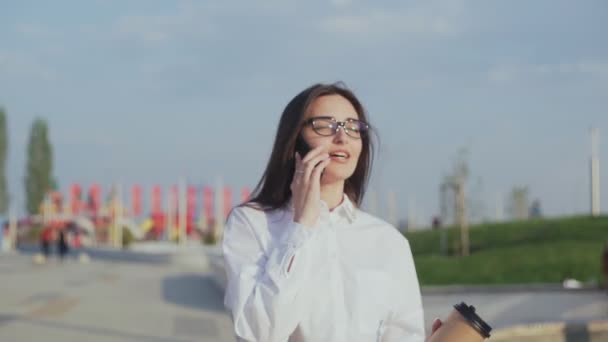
(4, 198)
(38, 178)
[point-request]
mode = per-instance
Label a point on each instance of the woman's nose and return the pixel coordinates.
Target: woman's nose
(340, 135)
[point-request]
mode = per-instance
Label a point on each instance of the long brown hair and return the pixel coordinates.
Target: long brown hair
(273, 190)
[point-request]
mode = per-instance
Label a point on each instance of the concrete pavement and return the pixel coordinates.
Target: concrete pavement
(505, 309)
(108, 301)
(135, 300)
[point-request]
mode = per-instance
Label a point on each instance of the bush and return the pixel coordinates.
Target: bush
(127, 237)
(209, 237)
(535, 251)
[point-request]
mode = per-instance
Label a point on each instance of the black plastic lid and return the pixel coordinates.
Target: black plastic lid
(468, 312)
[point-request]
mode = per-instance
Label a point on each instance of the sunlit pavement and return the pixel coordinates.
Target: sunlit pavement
(132, 300)
(108, 301)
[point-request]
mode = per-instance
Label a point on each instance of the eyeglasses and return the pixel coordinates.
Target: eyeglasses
(328, 126)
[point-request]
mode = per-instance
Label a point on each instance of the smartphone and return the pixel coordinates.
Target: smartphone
(302, 147)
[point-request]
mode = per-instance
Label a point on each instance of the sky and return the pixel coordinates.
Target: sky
(148, 92)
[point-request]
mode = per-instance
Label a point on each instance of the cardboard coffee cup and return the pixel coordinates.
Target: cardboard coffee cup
(462, 325)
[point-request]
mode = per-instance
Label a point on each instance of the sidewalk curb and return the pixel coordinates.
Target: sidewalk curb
(514, 288)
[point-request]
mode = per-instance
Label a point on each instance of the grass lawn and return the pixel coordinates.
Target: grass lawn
(536, 251)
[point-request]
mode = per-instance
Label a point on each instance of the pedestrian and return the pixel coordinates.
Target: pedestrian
(303, 261)
(62, 244)
(46, 236)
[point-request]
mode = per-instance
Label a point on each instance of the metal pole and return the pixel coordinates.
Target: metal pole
(595, 173)
(443, 239)
(203, 219)
(462, 218)
(443, 210)
(182, 212)
(114, 211)
(169, 220)
(219, 208)
(12, 229)
(499, 208)
(119, 209)
(411, 213)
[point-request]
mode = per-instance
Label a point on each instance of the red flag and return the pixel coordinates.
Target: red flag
(157, 206)
(227, 201)
(94, 198)
(75, 198)
(158, 220)
(191, 200)
(136, 200)
(191, 209)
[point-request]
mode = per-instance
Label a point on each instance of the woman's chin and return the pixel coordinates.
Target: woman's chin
(330, 177)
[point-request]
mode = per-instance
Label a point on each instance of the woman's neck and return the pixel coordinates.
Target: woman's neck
(332, 194)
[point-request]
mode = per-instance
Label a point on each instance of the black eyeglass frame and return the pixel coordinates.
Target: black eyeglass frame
(363, 126)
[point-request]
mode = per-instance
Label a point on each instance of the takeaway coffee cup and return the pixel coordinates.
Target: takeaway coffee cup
(462, 325)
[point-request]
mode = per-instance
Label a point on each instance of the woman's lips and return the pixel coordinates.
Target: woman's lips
(338, 159)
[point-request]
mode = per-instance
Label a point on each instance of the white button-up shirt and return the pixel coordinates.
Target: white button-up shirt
(349, 278)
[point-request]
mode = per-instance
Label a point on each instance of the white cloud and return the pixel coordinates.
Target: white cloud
(415, 21)
(381, 23)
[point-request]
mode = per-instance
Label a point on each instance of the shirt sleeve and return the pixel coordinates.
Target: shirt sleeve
(263, 286)
(406, 321)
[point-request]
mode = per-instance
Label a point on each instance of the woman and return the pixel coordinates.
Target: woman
(303, 262)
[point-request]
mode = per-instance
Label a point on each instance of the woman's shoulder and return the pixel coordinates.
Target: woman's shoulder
(253, 222)
(388, 229)
(249, 210)
(368, 218)
(255, 213)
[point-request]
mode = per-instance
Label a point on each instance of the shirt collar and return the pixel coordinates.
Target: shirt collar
(345, 209)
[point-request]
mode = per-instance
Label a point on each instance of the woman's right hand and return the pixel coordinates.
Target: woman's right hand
(306, 185)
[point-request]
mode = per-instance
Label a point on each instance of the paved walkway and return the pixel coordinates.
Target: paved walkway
(143, 301)
(105, 301)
